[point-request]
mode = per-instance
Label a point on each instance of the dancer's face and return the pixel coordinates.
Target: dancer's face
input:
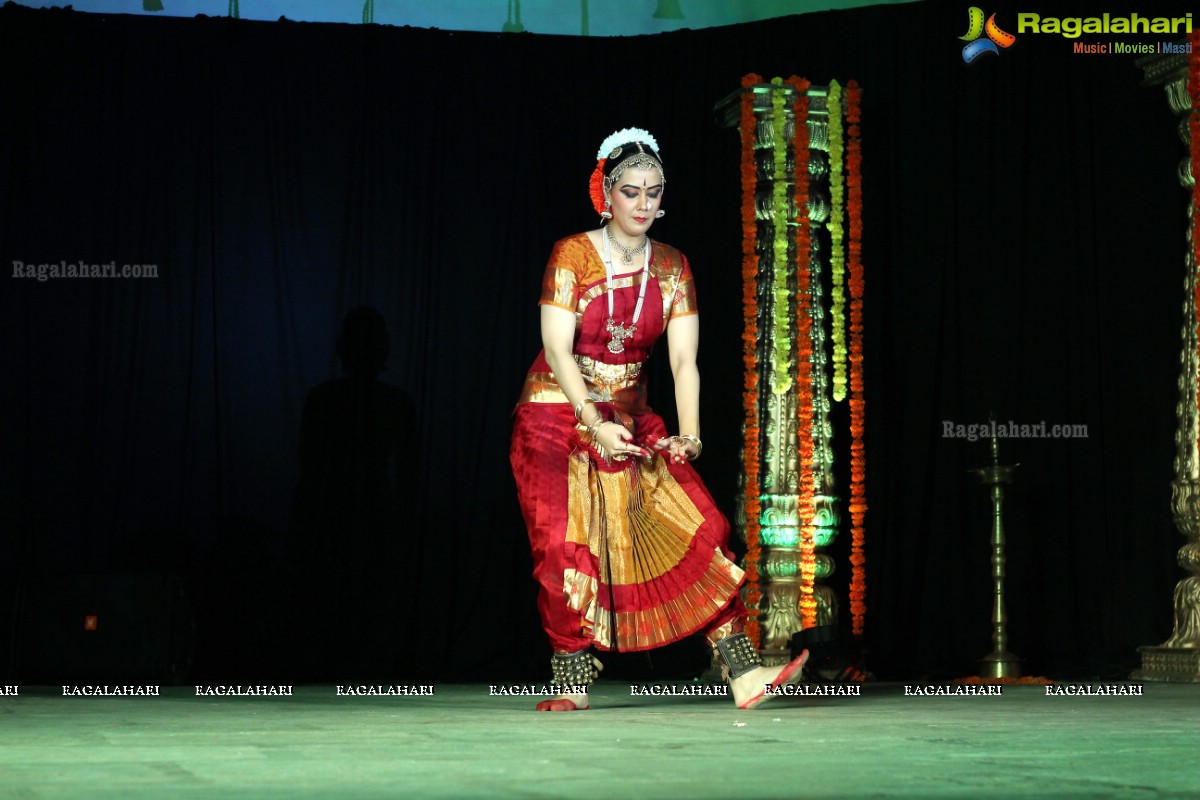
(635, 199)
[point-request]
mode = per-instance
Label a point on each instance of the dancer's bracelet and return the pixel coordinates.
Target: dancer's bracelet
(579, 407)
(595, 426)
(688, 437)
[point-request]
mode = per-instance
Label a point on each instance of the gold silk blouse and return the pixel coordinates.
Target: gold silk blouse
(574, 280)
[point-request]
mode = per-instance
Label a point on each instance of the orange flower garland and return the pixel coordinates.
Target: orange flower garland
(750, 445)
(858, 403)
(1194, 135)
(1027, 680)
(806, 508)
(596, 186)
(752, 500)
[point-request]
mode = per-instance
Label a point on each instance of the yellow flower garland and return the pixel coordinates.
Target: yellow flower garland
(781, 341)
(837, 254)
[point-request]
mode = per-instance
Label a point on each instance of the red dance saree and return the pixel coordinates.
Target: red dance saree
(628, 555)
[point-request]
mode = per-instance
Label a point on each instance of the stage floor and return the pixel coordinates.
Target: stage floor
(462, 742)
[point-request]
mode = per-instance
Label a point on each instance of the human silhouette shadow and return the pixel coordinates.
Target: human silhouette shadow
(354, 514)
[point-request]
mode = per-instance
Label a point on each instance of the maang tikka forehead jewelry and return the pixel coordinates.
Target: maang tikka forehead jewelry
(638, 159)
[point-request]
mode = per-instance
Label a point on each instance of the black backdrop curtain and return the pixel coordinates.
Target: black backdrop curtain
(1024, 241)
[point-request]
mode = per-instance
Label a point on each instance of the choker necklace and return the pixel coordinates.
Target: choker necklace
(627, 253)
(617, 332)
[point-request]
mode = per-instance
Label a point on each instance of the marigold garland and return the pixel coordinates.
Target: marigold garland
(858, 403)
(806, 507)
(596, 186)
(837, 255)
(1027, 680)
(847, 202)
(1194, 135)
(750, 445)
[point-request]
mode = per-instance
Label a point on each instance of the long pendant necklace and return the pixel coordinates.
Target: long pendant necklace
(619, 333)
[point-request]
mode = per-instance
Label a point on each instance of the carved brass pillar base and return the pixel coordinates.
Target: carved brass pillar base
(1174, 664)
(1178, 658)
(781, 617)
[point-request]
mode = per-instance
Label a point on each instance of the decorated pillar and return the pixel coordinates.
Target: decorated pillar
(801, 196)
(1178, 658)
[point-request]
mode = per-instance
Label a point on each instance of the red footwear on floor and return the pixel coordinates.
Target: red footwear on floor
(787, 676)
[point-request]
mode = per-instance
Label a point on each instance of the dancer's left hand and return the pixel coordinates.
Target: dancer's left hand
(677, 450)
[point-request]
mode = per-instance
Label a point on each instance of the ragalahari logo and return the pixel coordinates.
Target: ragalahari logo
(976, 28)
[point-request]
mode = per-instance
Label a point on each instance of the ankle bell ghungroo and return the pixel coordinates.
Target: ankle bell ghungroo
(739, 654)
(573, 669)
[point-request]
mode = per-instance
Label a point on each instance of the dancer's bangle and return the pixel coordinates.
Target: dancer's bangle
(579, 407)
(688, 437)
(595, 426)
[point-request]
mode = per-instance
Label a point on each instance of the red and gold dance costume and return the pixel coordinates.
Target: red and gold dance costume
(628, 555)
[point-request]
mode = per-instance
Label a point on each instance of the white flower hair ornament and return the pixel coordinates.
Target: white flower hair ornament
(625, 136)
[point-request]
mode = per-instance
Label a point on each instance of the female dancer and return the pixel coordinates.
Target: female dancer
(629, 549)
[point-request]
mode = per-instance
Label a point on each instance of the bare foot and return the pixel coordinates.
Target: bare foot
(570, 701)
(565, 702)
(750, 690)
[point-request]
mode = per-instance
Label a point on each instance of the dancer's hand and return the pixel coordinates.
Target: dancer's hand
(618, 442)
(677, 450)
